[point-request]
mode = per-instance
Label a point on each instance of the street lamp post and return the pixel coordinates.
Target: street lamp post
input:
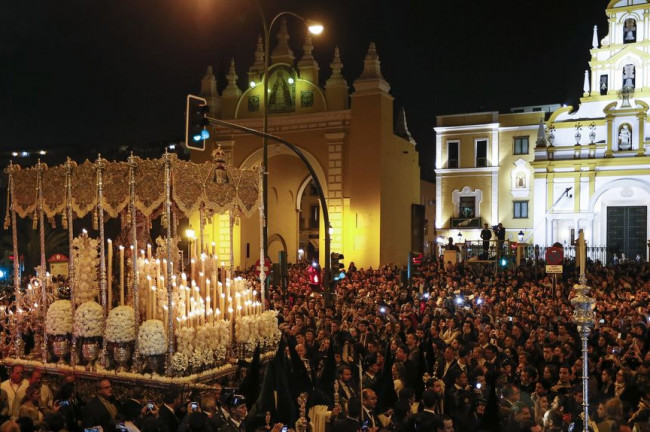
(314, 28)
(321, 195)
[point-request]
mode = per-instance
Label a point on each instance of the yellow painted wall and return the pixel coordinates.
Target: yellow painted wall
(363, 184)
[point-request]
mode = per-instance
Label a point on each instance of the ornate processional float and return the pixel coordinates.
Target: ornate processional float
(131, 308)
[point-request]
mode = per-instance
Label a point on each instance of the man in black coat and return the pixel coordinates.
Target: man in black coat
(427, 419)
(102, 409)
(349, 423)
(167, 411)
(132, 407)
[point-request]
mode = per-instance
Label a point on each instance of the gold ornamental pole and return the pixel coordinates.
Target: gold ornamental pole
(134, 257)
(42, 274)
(69, 164)
(18, 337)
(99, 165)
(167, 223)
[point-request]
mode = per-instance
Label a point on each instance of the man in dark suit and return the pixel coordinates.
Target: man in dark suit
(167, 411)
(445, 363)
(221, 412)
(426, 419)
(132, 407)
(102, 409)
(349, 423)
(369, 399)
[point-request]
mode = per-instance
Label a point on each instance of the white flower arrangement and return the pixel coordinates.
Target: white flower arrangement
(86, 258)
(243, 329)
(207, 357)
(120, 325)
(222, 329)
(58, 321)
(184, 340)
(201, 342)
(180, 362)
(152, 339)
(89, 320)
(268, 324)
(196, 360)
(220, 354)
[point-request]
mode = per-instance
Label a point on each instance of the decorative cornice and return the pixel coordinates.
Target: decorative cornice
(296, 122)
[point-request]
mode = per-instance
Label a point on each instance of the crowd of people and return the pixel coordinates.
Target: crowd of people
(459, 347)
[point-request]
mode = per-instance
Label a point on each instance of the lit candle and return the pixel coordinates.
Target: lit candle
(147, 291)
(154, 305)
(110, 273)
(148, 251)
(121, 275)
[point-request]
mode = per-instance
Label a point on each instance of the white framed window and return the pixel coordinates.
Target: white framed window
(520, 146)
(453, 154)
(481, 153)
(520, 209)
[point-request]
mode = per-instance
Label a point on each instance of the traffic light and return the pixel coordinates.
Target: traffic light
(503, 262)
(314, 275)
(336, 266)
(415, 261)
(196, 122)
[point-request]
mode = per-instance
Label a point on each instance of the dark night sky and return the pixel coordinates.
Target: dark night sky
(110, 73)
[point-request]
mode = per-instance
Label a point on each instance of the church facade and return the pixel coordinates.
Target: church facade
(550, 171)
(369, 173)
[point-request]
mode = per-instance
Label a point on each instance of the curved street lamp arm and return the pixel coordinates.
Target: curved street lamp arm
(319, 188)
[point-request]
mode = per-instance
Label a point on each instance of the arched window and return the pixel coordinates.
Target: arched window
(629, 76)
(629, 31)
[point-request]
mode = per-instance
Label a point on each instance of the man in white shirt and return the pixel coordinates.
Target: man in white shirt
(12, 385)
(47, 398)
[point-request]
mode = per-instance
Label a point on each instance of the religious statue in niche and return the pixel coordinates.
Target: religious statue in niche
(624, 137)
(629, 31)
(603, 85)
(628, 76)
(282, 93)
(520, 182)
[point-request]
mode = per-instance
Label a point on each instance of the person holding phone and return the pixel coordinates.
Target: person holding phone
(169, 407)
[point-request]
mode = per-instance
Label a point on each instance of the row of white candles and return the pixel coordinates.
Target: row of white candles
(203, 297)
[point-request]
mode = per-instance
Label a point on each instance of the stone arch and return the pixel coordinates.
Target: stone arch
(623, 182)
(300, 192)
(277, 240)
(255, 158)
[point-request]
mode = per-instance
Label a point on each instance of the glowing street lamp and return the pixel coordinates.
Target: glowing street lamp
(314, 28)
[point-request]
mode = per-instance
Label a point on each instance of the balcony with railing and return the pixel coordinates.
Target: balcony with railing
(476, 251)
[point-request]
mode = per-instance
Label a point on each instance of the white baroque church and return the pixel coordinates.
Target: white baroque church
(548, 172)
